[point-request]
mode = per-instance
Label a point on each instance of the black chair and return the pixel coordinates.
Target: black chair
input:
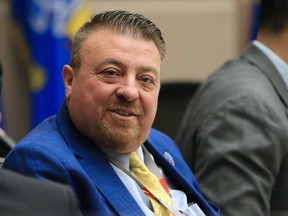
(173, 100)
(6, 144)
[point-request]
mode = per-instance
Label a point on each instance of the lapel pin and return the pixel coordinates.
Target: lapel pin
(168, 157)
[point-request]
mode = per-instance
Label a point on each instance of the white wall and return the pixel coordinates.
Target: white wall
(201, 35)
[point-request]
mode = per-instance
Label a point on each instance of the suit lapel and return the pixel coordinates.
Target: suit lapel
(176, 169)
(173, 172)
(109, 184)
(258, 58)
(97, 167)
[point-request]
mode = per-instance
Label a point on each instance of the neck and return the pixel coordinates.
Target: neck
(277, 42)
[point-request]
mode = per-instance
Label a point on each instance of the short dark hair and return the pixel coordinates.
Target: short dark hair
(123, 22)
(273, 15)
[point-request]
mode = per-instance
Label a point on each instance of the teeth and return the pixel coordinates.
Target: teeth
(123, 113)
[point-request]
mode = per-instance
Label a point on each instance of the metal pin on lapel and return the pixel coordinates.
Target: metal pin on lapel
(169, 158)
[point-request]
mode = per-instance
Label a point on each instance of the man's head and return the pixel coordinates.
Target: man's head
(273, 26)
(273, 15)
(113, 82)
(122, 22)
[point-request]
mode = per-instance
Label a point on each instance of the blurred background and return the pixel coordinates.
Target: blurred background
(35, 41)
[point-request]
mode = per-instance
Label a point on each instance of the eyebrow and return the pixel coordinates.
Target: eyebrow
(110, 61)
(121, 65)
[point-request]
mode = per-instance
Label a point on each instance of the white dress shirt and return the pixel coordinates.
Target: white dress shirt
(179, 197)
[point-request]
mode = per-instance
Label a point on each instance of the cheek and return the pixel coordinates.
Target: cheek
(150, 106)
(86, 97)
(81, 97)
(85, 107)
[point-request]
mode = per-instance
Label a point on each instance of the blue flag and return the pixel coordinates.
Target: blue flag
(254, 20)
(46, 27)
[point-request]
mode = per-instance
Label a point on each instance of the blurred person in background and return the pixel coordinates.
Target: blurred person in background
(234, 135)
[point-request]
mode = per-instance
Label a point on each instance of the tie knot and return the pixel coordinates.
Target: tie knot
(135, 160)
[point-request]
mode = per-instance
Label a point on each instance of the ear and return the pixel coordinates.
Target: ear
(68, 77)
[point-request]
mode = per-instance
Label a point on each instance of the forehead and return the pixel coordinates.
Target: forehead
(106, 41)
(106, 33)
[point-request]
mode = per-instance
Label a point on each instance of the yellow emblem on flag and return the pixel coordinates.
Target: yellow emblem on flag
(37, 77)
(78, 18)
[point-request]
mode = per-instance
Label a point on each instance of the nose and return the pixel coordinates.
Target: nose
(128, 91)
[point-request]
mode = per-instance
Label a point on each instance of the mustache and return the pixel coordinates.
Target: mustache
(131, 106)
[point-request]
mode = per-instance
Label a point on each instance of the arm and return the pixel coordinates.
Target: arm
(239, 153)
(37, 161)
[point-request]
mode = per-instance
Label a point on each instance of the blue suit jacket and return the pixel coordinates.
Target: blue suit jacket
(57, 151)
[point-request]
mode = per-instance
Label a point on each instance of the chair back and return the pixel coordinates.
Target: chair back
(173, 100)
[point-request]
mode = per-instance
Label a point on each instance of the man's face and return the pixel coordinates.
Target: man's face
(113, 97)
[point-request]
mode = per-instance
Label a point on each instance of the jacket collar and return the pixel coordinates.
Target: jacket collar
(256, 57)
(176, 169)
(97, 167)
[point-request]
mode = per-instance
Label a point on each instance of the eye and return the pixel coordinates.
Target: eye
(148, 79)
(110, 72)
(109, 75)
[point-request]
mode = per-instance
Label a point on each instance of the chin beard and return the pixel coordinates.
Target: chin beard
(121, 137)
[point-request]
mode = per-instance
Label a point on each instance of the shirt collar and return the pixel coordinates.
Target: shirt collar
(279, 63)
(121, 158)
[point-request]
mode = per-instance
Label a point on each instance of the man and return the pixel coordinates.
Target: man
(234, 134)
(25, 196)
(111, 88)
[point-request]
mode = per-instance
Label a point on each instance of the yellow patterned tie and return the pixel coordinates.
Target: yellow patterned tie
(150, 181)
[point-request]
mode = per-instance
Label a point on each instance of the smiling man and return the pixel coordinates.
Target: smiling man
(113, 98)
(101, 137)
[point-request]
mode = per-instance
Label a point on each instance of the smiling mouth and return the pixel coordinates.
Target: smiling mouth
(123, 112)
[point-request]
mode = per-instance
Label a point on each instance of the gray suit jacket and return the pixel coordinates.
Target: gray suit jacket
(25, 196)
(234, 136)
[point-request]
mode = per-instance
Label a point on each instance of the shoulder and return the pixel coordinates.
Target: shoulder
(235, 77)
(44, 129)
(161, 140)
(162, 146)
(47, 152)
(236, 82)
(158, 135)
(44, 138)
